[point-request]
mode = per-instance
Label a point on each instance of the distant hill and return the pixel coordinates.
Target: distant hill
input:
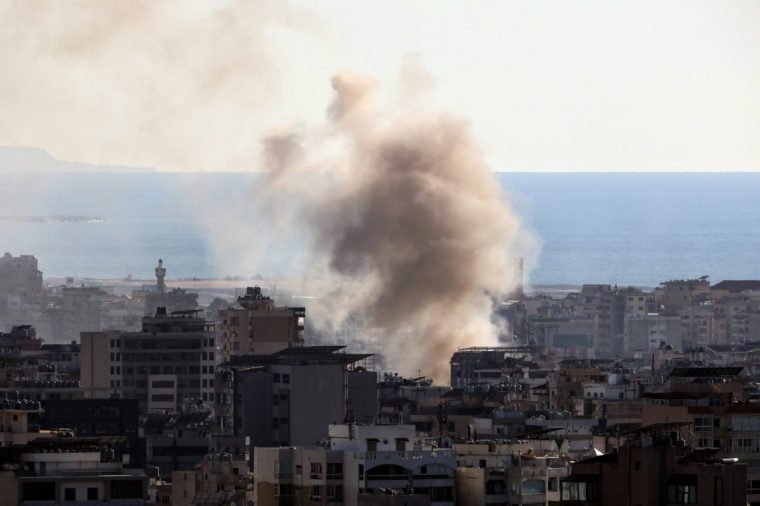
(27, 159)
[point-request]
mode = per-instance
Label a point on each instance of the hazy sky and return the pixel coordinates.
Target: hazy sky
(547, 85)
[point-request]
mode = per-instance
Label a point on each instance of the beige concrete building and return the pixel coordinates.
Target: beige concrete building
(648, 333)
(260, 327)
(19, 422)
(170, 362)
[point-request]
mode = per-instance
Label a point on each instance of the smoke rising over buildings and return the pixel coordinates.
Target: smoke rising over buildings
(411, 224)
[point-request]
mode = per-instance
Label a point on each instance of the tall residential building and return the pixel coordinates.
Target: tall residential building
(168, 365)
(260, 327)
(289, 398)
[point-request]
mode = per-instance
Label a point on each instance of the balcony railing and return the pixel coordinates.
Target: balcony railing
(413, 455)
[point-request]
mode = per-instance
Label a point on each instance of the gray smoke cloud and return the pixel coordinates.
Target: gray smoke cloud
(410, 225)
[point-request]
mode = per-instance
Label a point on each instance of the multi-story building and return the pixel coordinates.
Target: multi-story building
(64, 471)
(223, 476)
(569, 336)
(20, 277)
(260, 327)
(97, 418)
(82, 310)
(675, 295)
(355, 459)
(654, 467)
(496, 472)
(289, 397)
(168, 365)
(650, 332)
(19, 421)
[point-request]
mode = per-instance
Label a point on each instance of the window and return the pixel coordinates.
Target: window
(553, 484)
(286, 378)
(530, 487)
(579, 491)
(69, 494)
(703, 424)
(334, 493)
(275, 400)
(753, 486)
(92, 493)
(283, 489)
(276, 378)
(682, 494)
(334, 470)
(316, 470)
(745, 422)
(743, 445)
(316, 492)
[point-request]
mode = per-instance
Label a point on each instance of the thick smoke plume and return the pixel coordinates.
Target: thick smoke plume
(412, 222)
(174, 85)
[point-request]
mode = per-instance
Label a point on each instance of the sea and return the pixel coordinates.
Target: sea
(616, 228)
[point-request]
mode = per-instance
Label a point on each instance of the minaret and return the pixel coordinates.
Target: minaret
(160, 275)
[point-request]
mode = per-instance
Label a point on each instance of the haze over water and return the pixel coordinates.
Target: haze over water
(624, 228)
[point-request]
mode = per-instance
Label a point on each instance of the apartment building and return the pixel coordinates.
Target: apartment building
(70, 471)
(19, 421)
(653, 467)
(260, 327)
(289, 397)
(168, 365)
(355, 461)
(20, 276)
(499, 472)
